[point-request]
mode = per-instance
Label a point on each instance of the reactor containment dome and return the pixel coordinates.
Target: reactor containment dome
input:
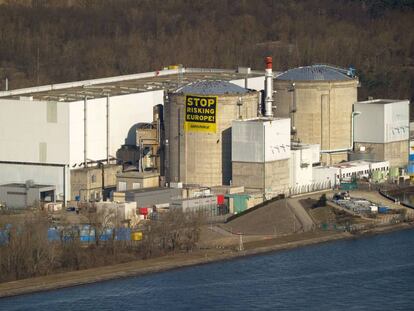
(319, 101)
(198, 119)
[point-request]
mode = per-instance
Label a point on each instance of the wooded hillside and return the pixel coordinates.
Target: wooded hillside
(51, 41)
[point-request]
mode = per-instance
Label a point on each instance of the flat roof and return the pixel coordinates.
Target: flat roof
(355, 163)
(150, 189)
(136, 174)
(300, 146)
(169, 80)
(95, 166)
(20, 185)
(381, 101)
(261, 119)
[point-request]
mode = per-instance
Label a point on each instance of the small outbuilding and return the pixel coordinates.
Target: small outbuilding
(23, 195)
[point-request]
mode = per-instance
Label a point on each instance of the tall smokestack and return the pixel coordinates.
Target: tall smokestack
(268, 87)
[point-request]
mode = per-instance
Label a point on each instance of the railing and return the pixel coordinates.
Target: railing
(310, 188)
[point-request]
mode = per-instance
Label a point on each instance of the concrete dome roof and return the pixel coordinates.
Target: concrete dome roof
(211, 87)
(315, 73)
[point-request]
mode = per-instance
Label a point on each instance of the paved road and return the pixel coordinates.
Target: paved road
(301, 214)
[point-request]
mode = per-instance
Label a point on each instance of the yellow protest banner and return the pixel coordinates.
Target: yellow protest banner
(200, 113)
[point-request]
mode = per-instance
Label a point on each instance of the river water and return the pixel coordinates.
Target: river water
(406, 196)
(371, 273)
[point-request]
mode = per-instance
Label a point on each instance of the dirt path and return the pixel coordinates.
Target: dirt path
(301, 214)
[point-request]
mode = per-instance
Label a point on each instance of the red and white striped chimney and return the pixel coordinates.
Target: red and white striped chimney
(268, 87)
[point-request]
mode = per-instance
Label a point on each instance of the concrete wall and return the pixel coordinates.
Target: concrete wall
(333, 158)
(248, 174)
(277, 177)
(269, 177)
(395, 152)
(323, 111)
(87, 183)
(204, 158)
(136, 182)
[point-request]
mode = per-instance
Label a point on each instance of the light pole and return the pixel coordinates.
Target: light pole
(353, 114)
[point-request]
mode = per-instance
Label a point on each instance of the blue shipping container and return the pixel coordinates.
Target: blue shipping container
(53, 234)
(410, 167)
(382, 209)
(4, 237)
(106, 235)
(87, 234)
(123, 234)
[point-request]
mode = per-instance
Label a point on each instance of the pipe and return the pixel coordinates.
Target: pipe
(7, 84)
(353, 114)
(85, 131)
(293, 109)
(64, 187)
(108, 141)
(336, 150)
(103, 180)
(268, 87)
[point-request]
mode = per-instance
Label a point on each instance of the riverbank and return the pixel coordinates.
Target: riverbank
(179, 260)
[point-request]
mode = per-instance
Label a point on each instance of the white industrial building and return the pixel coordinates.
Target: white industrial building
(48, 130)
(345, 171)
(302, 159)
(260, 154)
(381, 127)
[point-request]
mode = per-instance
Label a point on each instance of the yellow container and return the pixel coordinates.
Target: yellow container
(136, 236)
(173, 67)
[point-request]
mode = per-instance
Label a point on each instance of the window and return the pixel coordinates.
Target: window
(51, 112)
(122, 186)
(93, 178)
(42, 152)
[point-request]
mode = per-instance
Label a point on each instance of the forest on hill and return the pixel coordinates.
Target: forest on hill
(52, 41)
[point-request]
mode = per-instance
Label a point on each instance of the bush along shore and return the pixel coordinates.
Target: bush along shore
(181, 258)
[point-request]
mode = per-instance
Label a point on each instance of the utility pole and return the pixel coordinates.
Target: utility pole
(241, 247)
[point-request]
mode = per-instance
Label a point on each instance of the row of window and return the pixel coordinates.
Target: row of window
(383, 169)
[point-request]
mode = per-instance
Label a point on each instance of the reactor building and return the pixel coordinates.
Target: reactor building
(198, 125)
(318, 99)
(382, 130)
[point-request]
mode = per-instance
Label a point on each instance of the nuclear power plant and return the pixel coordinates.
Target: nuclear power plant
(180, 133)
